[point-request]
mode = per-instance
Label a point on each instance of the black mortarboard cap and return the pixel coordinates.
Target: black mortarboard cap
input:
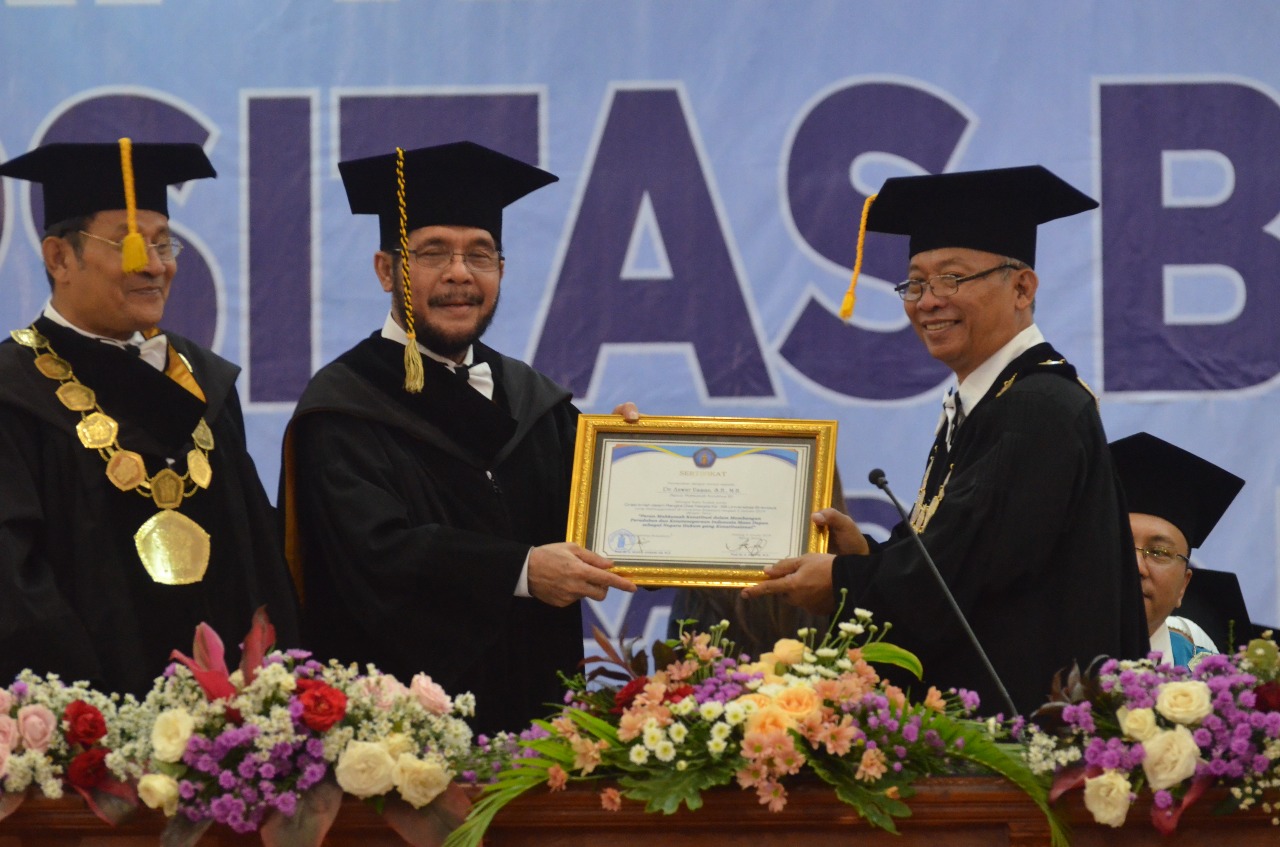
(996, 211)
(458, 184)
(1166, 481)
(82, 179)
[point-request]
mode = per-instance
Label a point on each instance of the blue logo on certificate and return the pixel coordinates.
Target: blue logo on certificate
(622, 541)
(704, 457)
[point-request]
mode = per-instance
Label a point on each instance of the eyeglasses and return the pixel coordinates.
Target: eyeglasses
(167, 250)
(943, 285)
(438, 258)
(1161, 557)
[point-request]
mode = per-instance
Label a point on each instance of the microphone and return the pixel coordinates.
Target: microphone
(877, 478)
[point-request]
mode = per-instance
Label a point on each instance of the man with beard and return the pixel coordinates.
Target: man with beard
(426, 476)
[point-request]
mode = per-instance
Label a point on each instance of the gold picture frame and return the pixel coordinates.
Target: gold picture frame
(697, 501)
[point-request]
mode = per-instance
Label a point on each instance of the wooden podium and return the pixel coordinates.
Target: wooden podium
(950, 811)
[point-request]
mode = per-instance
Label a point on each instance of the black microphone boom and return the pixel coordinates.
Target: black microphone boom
(877, 478)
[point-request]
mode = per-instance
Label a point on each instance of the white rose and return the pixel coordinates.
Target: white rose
(170, 734)
(1107, 797)
(1138, 724)
(1184, 702)
(1171, 757)
(159, 792)
(397, 744)
(419, 781)
(364, 769)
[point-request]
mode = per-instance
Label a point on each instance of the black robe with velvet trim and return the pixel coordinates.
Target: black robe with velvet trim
(413, 515)
(1032, 537)
(74, 596)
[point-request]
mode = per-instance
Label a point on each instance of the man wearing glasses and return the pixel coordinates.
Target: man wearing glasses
(426, 476)
(1019, 504)
(1175, 499)
(130, 509)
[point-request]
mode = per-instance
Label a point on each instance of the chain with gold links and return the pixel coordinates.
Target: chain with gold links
(173, 547)
(921, 513)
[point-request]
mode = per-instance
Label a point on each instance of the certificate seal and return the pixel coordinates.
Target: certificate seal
(705, 457)
(622, 540)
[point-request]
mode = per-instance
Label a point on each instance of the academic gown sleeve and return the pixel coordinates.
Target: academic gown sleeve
(393, 536)
(38, 626)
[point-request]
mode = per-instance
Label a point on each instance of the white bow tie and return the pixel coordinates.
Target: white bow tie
(154, 351)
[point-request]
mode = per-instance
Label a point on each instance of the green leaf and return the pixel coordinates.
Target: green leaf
(666, 791)
(1004, 759)
(883, 653)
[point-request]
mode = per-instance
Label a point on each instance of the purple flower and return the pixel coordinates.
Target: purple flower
(286, 803)
(315, 748)
(1163, 800)
(227, 780)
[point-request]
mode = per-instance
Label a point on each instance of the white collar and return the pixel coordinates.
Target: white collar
(1161, 642)
(479, 374)
(154, 351)
(979, 382)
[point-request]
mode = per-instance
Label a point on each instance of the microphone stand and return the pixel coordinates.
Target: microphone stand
(877, 478)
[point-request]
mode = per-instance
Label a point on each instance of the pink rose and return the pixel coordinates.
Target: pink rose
(383, 690)
(36, 725)
(8, 733)
(432, 697)
(6, 701)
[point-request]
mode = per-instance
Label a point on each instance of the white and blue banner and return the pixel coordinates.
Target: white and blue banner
(714, 156)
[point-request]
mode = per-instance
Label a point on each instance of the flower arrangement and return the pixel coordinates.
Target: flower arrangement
(56, 736)
(1122, 727)
(273, 746)
(708, 717)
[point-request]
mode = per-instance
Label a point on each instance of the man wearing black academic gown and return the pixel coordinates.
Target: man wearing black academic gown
(105, 567)
(426, 477)
(1020, 507)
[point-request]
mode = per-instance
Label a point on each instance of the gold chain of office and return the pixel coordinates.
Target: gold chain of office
(173, 548)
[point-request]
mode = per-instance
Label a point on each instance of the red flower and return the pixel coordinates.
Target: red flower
(1268, 695)
(89, 769)
(623, 698)
(322, 705)
(675, 695)
(83, 723)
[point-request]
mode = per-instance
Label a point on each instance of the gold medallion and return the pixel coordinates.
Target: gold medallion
(166, 489)
(97, 431)
(77, 396)
(28, 337)
(198, 468)
(52, 366)
(126, 470)
(202, 436)
(173, 548)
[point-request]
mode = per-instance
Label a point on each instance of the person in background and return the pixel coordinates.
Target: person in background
(1020, 506)
(1175, 499)
(130, 508)
(426, 476)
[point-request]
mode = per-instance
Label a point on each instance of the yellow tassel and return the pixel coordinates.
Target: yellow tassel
(412, 367)
(412, 357)
(133, 251)
(850, 296)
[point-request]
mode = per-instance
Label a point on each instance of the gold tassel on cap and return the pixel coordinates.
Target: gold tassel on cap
(850, 297)
(133, 250)
(412, 356)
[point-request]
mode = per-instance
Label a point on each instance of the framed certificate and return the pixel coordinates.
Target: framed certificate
(700, 501)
